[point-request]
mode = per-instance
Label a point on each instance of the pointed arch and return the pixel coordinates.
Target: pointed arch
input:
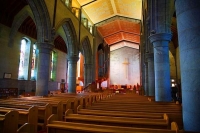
(71, 37)
(18, 20)
(87, 50)
(42, 19)
(87, 53)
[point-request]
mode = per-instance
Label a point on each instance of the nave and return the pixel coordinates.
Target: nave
(90, 112)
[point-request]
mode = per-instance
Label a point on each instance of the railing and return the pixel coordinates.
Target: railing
(90, 87)
(76, 12)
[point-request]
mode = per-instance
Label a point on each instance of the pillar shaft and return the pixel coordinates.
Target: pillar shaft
(43, 70)
(161, 66)
(188, 18)
(87, 74)
(151, 75)
(146, 79)
(72, 66)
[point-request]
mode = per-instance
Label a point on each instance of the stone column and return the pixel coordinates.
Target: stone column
(87, 74)
(43, 68)
(151, 75)
(146, 79)
(72, 66)
(188, 22)
(160, 43)
(94, 55)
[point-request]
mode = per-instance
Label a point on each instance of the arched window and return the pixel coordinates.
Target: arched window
(53, 66)
(78, 66)
(28, 60)
(24, 59)
(33, 62)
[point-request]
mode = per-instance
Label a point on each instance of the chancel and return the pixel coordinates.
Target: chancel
(126, 63)
(66, 63)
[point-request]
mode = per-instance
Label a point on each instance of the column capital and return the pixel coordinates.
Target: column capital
(45, 47)
(160, 37)
(73, 58)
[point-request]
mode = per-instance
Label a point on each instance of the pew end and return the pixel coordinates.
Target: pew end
(151, 99)
(174, 127)
(53, 117)
(58, 109)
(33, 117)
(79, 108)
(166, 117)
(9, 122)
(27, 128)
(69, 111)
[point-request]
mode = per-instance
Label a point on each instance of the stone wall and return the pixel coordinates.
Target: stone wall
(9, 63)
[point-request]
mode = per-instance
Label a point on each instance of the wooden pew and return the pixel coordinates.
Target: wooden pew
(55, 126)
(25, 115)
(44, 111)
(136, 103)
(85, 99)
(57, 106)
(67, 102)
(119, 113)
(118, 121)
(8, 122)
(130, 109)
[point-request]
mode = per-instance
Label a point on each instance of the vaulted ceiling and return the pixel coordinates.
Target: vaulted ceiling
(118, 30)
(100, 10)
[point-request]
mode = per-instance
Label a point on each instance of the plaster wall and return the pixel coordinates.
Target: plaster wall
(61, 66)
(62, 13)
(9, 63)
(9, 56)
(124, 74)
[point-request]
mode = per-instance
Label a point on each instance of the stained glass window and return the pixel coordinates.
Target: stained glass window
(33, 62)
(52, 63)
(22, 59)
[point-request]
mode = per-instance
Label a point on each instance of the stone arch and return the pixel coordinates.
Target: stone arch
(87, 50)
(18, 20)
(72, 51)
(87, 53)
(43, 23)
(62, 34)
(71, 37)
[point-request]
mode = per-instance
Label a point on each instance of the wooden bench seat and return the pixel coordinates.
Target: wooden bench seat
(25, 115)
(118, 121)
(67, 102)
(55, 126)
(43, 111)
(136, 102)
(111, 108)
(87, 98)
(57, 106)
(9, 122)
(177, 107)
(119, 113)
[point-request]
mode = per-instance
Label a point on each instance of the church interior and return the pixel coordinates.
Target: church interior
(120, 66)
